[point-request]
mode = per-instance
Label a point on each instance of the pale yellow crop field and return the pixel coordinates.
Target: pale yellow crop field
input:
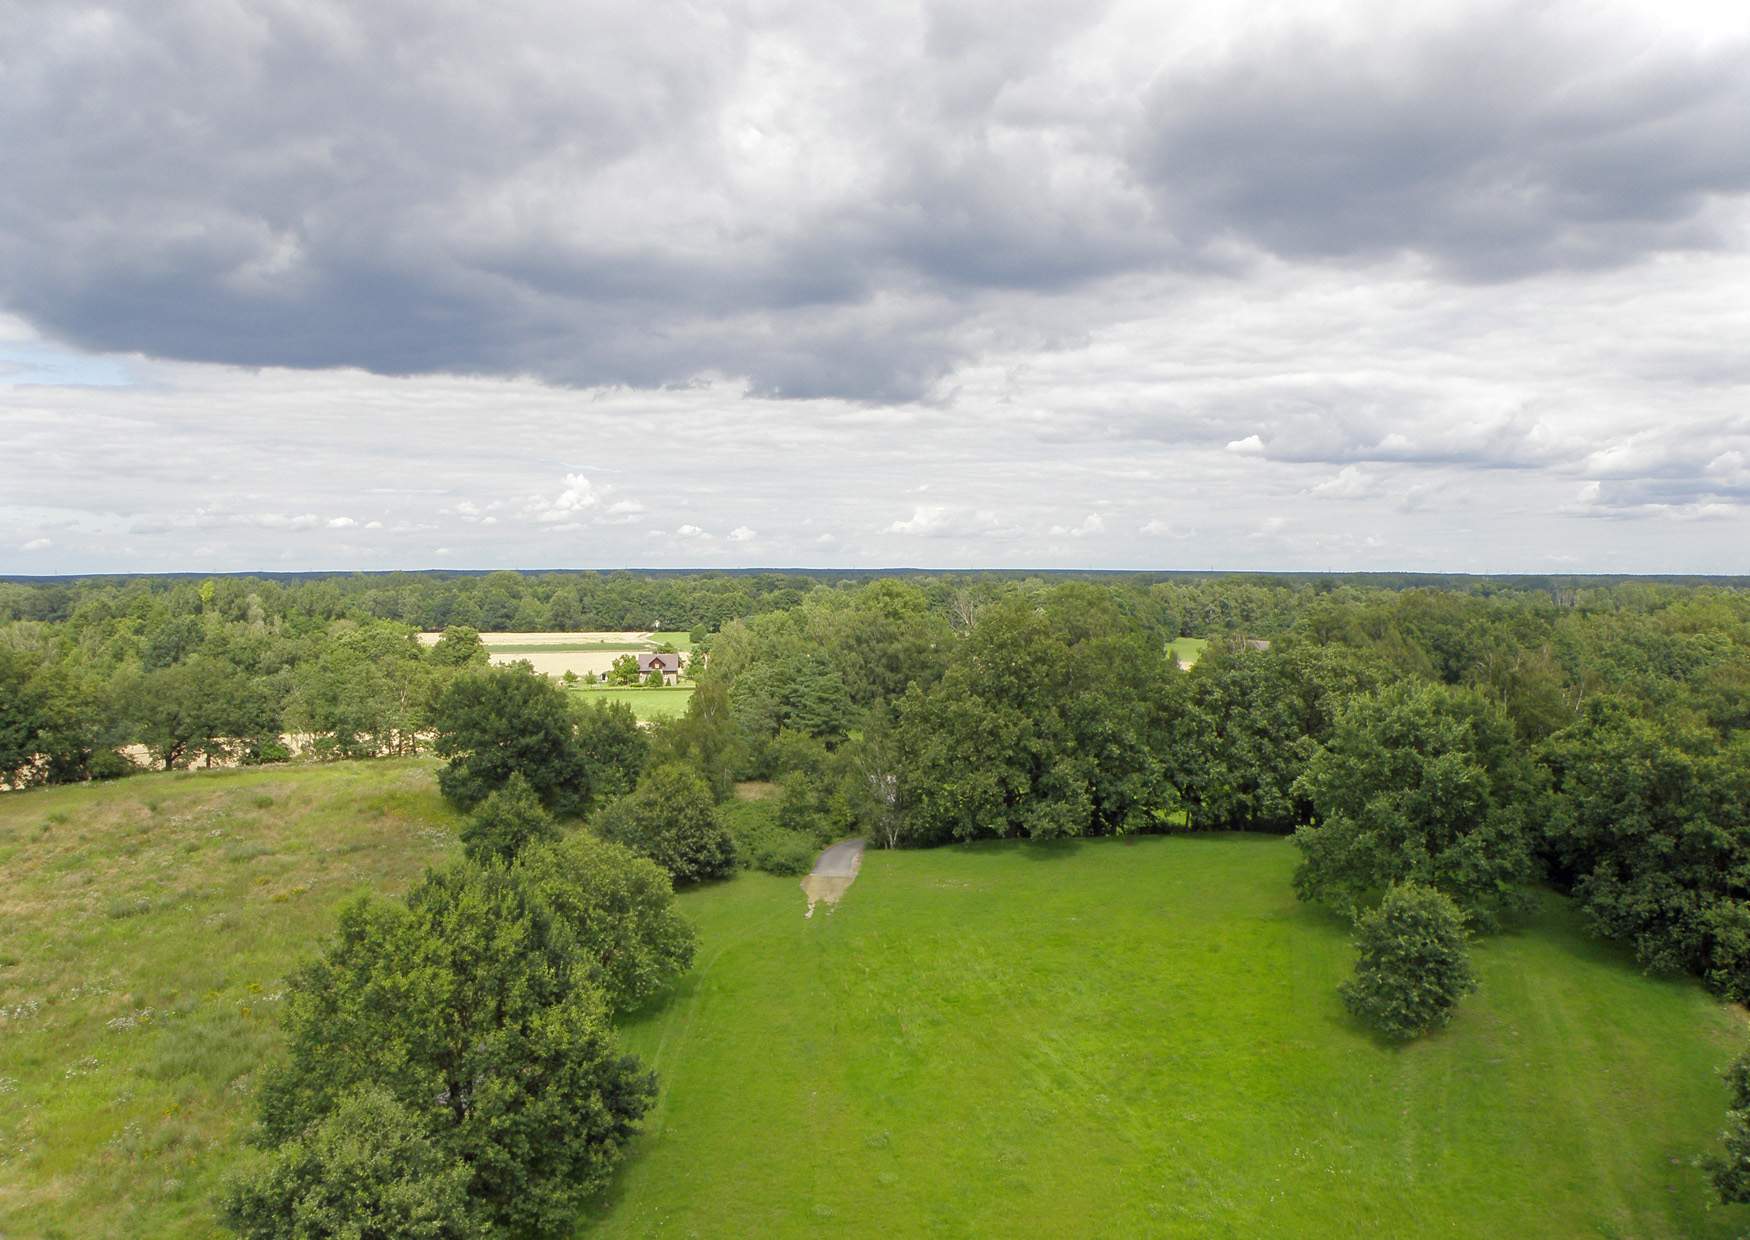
(560, 662)
(548, 639)
(503, 648)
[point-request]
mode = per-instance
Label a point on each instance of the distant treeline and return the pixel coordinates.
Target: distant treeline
(1477, 742)
(1479, 735)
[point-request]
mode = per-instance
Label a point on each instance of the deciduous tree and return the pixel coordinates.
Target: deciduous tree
(1412, 966)
(495, 722)
(470, 1006)
(619, 909)
(1424, 784)
(671, 817)
(507, 822)
(369, 1168)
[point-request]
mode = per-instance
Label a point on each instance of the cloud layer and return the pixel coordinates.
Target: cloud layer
(590, 193)
(1309, 285)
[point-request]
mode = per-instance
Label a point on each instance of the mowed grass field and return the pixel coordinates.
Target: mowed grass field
(646, 703)
(1101, 1038)
(1187, 650)
(1111, 1039)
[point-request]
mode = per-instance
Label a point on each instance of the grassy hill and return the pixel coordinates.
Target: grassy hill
(1104, 1038)
(145, 930)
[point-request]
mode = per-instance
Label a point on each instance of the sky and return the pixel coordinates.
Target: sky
(302, 285)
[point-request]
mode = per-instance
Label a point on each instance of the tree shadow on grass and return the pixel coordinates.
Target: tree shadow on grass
(1051, 850)
(1031, 850)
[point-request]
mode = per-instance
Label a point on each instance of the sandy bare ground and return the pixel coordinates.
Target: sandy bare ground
(557, 662)
(560, 662)
(544, 639)
(833, 875)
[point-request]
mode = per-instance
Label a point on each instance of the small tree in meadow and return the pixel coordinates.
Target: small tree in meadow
(507, 822)
(1414, 963)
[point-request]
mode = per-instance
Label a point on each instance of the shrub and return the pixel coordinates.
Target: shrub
(672, 818)
(111, 764)
(268, 751)
(811, 807)
(761, 844)
(507, 822)
(1414, 964)
(370, 1168)
(1731, 1174)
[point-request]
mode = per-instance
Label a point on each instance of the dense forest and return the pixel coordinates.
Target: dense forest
(1479, 736)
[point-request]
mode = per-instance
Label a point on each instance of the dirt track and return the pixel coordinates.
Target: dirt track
(833, 873)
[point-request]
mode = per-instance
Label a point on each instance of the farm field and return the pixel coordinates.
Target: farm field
(1111, 1038)
(646, 703)
(554, 654)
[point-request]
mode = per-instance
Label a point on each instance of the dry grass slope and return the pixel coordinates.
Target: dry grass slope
(146, 928)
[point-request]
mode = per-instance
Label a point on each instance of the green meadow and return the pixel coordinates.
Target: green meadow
(1110, 1038)
(1187, 650)
(647, 703)
(1144, 1038)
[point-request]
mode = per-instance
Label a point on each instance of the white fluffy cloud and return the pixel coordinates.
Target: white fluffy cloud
(1089, 525)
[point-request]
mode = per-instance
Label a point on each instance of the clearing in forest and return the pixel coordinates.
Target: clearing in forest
(1137, 1037)
(1143, 1038)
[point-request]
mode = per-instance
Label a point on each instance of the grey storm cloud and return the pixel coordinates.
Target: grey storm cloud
(1330, 283)
(813, 203)
(1507, 140)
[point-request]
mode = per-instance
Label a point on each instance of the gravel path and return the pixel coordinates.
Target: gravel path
(840, 861)
(832, 874)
